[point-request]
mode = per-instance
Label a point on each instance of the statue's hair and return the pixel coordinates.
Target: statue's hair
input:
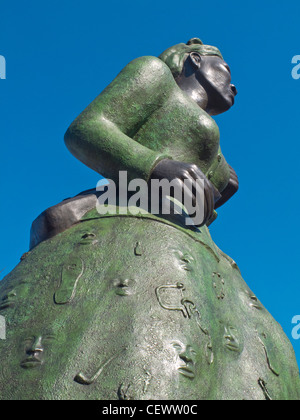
(174, 57)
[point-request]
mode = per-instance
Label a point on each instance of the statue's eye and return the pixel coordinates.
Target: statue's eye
(88, 236)
(227, 68)
(28, 341)
(177, 347)
(48, 338)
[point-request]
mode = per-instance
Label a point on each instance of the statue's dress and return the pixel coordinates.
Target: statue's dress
(137, 307)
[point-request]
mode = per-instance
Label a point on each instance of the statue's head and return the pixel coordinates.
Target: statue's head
(201, 71)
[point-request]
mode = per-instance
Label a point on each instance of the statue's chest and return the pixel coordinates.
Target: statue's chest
(183, 130)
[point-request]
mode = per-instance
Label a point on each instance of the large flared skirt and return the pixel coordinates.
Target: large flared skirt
(137, 308)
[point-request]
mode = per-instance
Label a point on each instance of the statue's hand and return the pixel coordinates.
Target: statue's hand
(230, 190)
(178, 172)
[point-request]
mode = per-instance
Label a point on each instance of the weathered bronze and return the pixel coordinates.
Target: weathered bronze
(127, 306)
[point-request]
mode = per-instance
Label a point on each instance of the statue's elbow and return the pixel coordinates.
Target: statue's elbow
(86, 140)
(71, 139)
(80, 141)
(67, 137)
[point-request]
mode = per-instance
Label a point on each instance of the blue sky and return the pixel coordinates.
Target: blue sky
(61, 54)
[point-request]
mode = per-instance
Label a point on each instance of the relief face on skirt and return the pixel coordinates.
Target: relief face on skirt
(125, 327)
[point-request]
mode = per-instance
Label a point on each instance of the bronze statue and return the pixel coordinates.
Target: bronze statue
(138, 305)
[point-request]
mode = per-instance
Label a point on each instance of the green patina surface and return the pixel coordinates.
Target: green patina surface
(136, 308)
(141, 118)
(125, 307)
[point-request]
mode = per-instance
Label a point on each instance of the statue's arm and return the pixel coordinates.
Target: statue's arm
(102, 136)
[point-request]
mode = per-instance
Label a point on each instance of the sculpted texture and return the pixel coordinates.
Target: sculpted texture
(138, 306)
(135, 330)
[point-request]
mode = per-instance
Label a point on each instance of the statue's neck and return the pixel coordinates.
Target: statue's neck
(190, 85)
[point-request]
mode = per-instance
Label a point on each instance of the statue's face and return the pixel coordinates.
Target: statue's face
(187, 357)
(208, 76)
(34, 348)
(11, 294)
(215, 77)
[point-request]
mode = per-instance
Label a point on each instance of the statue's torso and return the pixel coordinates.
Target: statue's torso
(182, 130)
(145, 104)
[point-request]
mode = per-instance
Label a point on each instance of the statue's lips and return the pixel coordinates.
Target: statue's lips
(256, 306)
(188, 372)
(88, 241)
(232, 346)
(30, 362)
(232, 97)
(255, 303)
(7, 303)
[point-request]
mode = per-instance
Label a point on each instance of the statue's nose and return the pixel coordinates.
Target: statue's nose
(186, 357)
(9, 295)
(234, 90)
(36, 347)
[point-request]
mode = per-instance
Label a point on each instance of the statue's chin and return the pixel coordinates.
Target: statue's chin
(220, 110)
(222, 103)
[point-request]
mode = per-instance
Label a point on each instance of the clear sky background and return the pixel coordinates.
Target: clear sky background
(61, 54)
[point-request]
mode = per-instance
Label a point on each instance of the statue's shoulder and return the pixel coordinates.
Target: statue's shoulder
(149, 69)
